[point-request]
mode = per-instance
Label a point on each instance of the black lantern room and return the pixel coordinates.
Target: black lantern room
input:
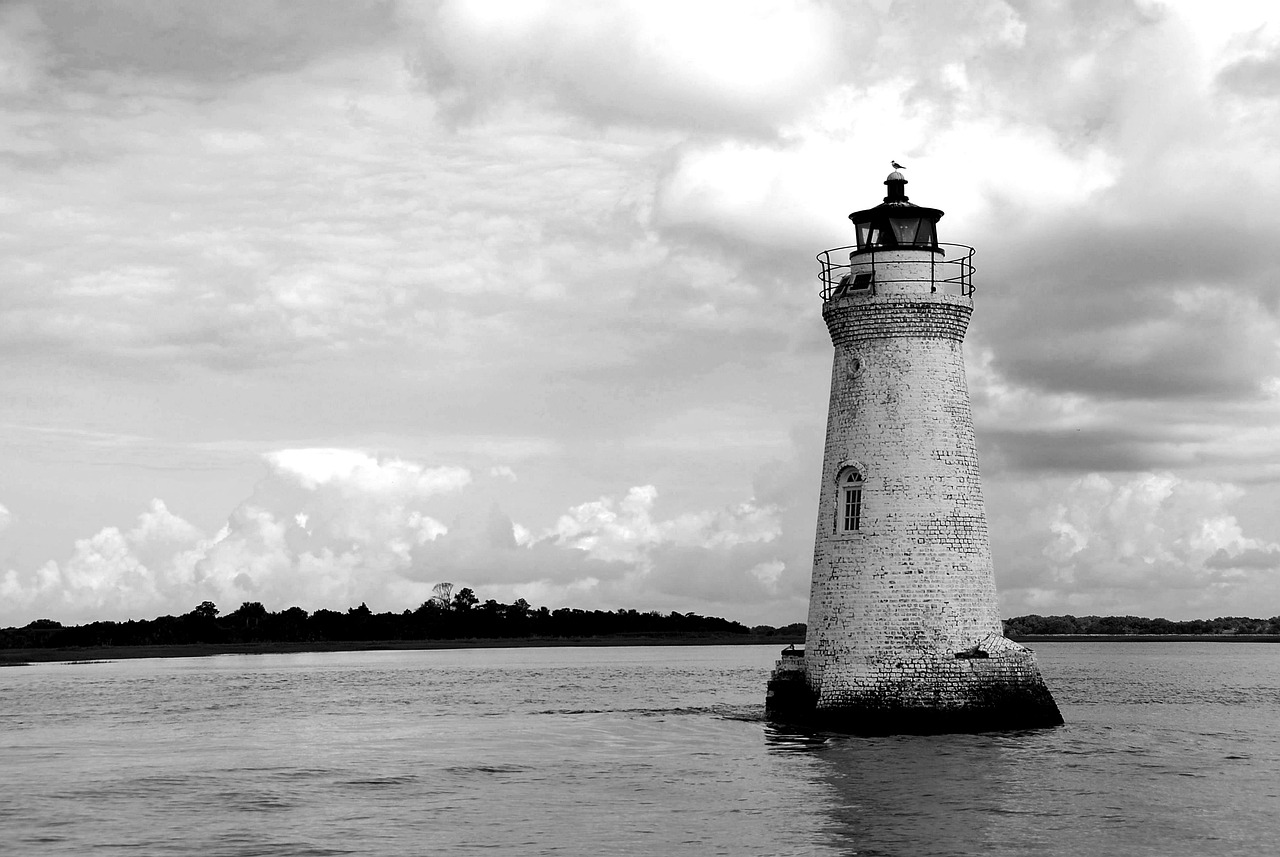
(897, 223)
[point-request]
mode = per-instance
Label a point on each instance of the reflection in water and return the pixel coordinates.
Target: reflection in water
(912, 795)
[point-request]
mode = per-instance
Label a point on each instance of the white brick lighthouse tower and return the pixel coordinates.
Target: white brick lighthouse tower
(904, 630)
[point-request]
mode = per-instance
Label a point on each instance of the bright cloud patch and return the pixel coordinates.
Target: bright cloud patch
(334, 527)
(113, 573)
(324, 528)
(625, 530)
(361, 473)
(615, 552)
(1152, 544)
(702, 63)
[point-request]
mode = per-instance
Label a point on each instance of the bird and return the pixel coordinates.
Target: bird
(896, 165)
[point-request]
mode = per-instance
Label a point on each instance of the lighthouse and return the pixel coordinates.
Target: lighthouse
(904, 632)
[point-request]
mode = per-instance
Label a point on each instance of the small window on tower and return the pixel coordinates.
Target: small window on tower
(850, 494)
(861, 282)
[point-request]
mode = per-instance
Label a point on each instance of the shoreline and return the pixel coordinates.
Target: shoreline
(1147, 638)
(20, 657)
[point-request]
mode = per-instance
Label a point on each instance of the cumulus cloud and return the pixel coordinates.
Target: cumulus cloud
(726, 562)
(616, 552)
(323, 527)
(334, 527)
(327, 524)
(703, 64)
(358, 473)
(113, 573)
(1147, 544)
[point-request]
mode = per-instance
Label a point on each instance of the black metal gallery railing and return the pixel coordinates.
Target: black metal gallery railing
(951, 275)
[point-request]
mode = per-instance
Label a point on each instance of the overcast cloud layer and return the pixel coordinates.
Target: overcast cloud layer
(322, 303)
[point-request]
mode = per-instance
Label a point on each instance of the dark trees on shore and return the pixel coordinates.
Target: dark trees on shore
(445, 616)
(1130, 625)
(450, 615)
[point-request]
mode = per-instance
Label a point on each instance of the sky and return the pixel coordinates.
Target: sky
(322, 303)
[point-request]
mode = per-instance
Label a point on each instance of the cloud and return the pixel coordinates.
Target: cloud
(194, 40)
(1251, 558)
(706, 64)
(359, 473)
(1092, 195)
(625, 530)
(114, 573)
(1255, 76)
(335, 527)
(1148, 544)
(615, 552)
(26, 54)
(323, 527)
(327, 524)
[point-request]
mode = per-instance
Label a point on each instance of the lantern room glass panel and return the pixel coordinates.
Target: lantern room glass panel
(927, 233)
(905, 229)
(864, 233)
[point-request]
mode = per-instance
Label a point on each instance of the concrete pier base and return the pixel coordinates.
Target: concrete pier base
(996, 686)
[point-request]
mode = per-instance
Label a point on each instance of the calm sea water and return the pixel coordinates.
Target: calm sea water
(1169, 749)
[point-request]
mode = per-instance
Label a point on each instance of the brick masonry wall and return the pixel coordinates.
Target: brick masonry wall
(892, 603)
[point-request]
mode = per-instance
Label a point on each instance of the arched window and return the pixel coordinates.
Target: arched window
(849, 491)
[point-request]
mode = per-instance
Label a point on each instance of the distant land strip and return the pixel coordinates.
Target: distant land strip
(1092, 627)
(1147, 638)
(449, 621)
(18, 657)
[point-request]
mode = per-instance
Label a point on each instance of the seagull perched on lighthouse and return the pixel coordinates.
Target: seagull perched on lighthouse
(896, 165)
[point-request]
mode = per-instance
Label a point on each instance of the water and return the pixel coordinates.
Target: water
(1169, 749)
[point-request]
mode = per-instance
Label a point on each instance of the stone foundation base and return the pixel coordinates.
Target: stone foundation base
(789, 698)
(994, 686)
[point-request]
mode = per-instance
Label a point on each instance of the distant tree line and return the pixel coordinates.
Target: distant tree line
(1128, 625)
(445, 616)
(461, 615)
